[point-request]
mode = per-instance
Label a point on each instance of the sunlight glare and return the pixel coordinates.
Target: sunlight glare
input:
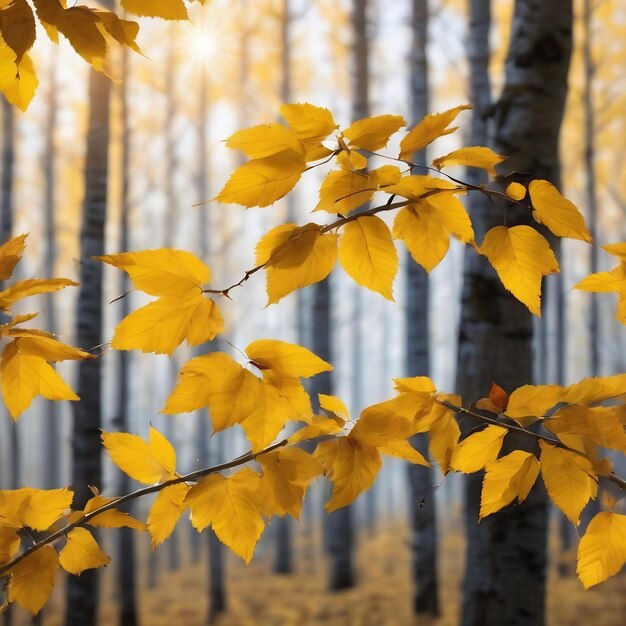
(203, 45)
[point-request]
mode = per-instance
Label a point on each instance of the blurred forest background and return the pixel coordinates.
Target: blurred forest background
(170, 111)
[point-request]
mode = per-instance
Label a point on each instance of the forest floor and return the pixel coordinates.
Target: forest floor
(381, 598)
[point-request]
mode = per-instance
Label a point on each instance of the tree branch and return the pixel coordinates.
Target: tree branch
(620, 482)
(117, 502)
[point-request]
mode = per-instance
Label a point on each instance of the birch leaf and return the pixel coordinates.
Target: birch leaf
(82, 552)
(230, 505)
(367, 254)
(474, 156)
(506, 479)
(556, 212)
(262, 182)
(478, 450)
(147, 462)
(32, 579)
(373, 133)
(165, 512)
(602, 550)
(520, 256)
(429, 129)
(568, 479)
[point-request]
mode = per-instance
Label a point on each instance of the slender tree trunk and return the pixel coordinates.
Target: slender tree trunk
(171, 213)
(589, 69)
(217, 584)
(6, 232)
(126, 562)
(506, 555)
(52, 426)
(283, 559)
(422, 509)
(82, 592)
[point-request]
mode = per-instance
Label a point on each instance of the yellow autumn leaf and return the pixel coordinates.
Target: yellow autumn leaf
(295, 246)
(10, 255)
(113, 518)
(424, 235)
(478, 450)
(602, 550)
(230, 505)
(352, 466)
(598, 389)
(292, 392)
(316, 426)
(569, 479)
(367, 254)
(372, 133)
(404, 450)
(605, 282)
(17, 26)
(473, 156)
(82, 552)
(506, 479)
(262, 182)
(25, 376)
(165, 9)
(31, 342)
(34, 508)
(344, 190)
(9, 543)
(520, 256)
(161, 326)
(334, 406)
(215, 380)
(378, 426)
(351, 160)
(311, 123)
(272, 411)
(516, 191)
(414, 383)
(315, 267)
(31, 287)
(17, 83)
(616, 249)
(601, 424)
(556, 212)
(32, 579)
(265, 140)
(165, 512)
(532, 401)
(429, 129)
(286, 475)
(147, 462)
(162, 272)
(444, 433)
(415, 406)
(285, 359)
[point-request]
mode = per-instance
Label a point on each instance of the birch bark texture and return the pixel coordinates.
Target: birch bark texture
(506, 555)
(422, 509)
(82, 592)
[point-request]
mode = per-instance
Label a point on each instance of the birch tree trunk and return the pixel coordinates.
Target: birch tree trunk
(82, 591)
(126, 562)
(217, 584)
(283, 558)
(52, 425)
(506, 555)
(422, 506)
(7, 183)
